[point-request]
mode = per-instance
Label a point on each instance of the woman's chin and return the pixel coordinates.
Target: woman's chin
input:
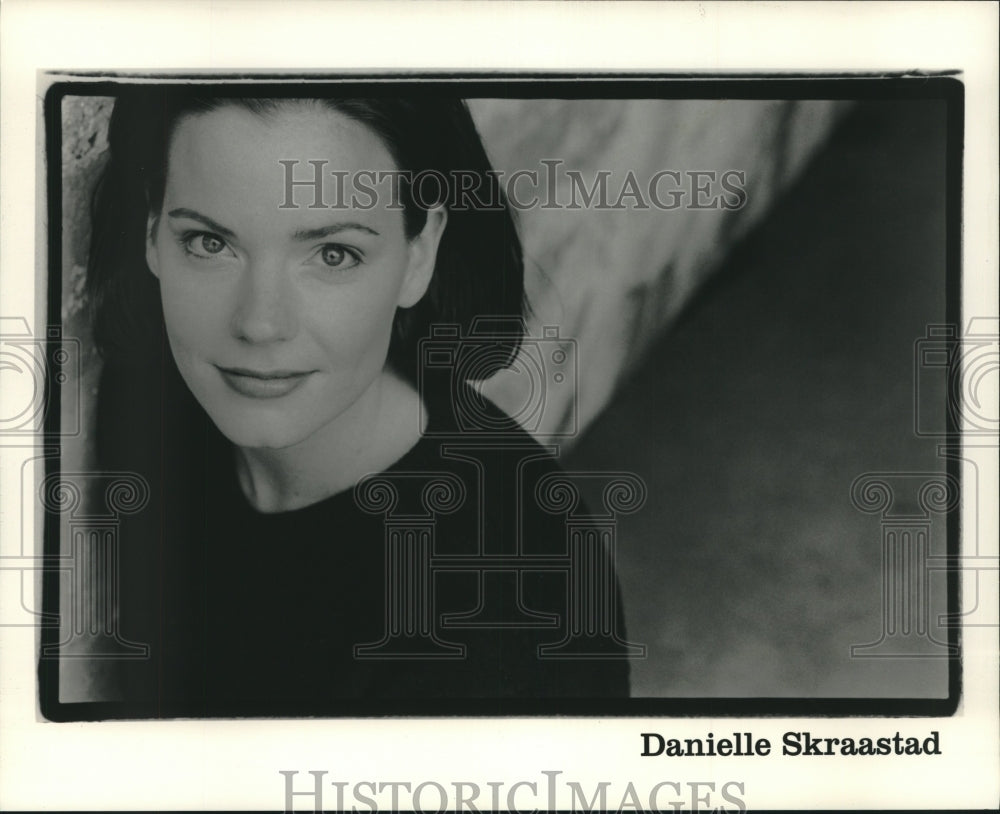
(258, 434)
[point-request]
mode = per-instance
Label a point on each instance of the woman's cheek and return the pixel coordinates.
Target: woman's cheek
(353, 326)
(343, 337)
(195, 314)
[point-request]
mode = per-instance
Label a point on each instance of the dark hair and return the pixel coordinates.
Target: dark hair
(479, 268)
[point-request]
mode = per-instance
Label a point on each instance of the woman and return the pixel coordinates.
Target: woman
(264, 270)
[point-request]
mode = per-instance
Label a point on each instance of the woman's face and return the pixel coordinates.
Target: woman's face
(279, 319)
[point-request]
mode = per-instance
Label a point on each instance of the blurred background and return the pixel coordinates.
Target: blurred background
(748, 364)
(749, 572)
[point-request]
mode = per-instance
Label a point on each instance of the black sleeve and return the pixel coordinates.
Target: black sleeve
(149, 425)
(587, 655)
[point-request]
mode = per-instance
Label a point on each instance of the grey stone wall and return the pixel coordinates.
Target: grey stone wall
(613, 280)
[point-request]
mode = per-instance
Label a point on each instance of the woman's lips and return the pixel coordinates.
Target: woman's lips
(263, 384)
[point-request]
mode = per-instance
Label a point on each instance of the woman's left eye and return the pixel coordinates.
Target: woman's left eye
(335, 256)
(204, 245)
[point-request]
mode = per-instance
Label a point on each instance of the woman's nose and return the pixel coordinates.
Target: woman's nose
(265, 308)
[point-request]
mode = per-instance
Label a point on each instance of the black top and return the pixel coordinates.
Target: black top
(358, 604)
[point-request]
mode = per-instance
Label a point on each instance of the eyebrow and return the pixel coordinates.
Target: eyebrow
(300, 234)
(332, 229)
(190, 214)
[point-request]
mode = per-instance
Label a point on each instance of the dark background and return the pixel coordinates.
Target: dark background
(749, 572)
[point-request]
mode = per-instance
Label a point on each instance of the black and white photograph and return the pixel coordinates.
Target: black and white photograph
(643, 415)
(398, 394)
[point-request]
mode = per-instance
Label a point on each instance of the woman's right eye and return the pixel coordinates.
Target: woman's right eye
(204, 245)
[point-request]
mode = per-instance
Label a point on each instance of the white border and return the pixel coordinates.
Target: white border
(193, 765)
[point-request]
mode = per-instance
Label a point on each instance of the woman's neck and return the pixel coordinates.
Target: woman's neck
(381, 426)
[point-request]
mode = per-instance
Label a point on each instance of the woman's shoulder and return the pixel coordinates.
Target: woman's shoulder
(462, 413)
(464, 425)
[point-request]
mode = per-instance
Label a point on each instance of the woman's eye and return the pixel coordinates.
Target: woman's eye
(204, 245)
(338, 257)
(212, 244)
